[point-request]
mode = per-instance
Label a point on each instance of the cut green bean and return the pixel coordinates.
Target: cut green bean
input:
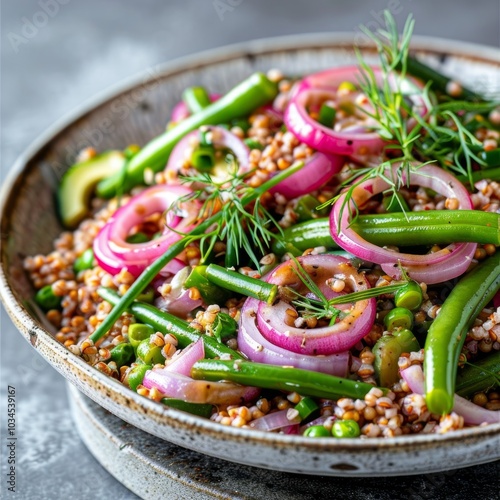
(437, 80)
(399, 317)
(138, 332)
(409, 296)
(305, 382)
(210, 293)
(241, 100)
(176, 248)
(239, 283)
(479, 376)
(196, 99)
(492, 174)
(169, 324)
(447, 333)
(199, 409)
(122, 354)
(203, 158)
(149, 353)
(136, 375)
(306, 407)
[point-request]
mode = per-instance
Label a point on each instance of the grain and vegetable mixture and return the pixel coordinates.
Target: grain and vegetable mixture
(313, 256)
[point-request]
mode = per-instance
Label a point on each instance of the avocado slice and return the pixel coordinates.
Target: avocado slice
(79, 182)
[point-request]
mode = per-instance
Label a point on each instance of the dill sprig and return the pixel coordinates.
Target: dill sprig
(309, 307)
(243, 227)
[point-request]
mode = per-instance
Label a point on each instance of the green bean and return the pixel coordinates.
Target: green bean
(409, 296)
(399, 317)
(447, 333)
(242, 284)
(492, 174)
(47, 299)
(176, 248)
(387, 351)
(203, 158)
(437, 80)
(136, 375)
(241, 100)
(200, 409)
(429, 227)
(196, 99)
(400, 229)
(210, 293)
(138, 332)
(169, 324)
(122, 354)
(149, 353)
(305, 382)
(479, 376)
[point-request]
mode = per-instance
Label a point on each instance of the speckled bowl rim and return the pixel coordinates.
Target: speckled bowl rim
(43, 341)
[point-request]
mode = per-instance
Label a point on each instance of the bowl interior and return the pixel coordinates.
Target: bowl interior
(134, 113)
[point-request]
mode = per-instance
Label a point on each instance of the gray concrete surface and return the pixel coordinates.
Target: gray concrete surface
(55, 54)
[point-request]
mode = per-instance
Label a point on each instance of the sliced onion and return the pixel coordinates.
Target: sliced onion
(471, 413)
(257, 348)
(274, 421)
(447, 263)
(339, 337)
(174, 385)
(322, 86)
(113, 252)
(318, 169)
(181, 111)
(183, 361)
(178, 301)
(222, 138)
(496, 300)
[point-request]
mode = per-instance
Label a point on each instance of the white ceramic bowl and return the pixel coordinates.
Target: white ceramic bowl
(136, 112)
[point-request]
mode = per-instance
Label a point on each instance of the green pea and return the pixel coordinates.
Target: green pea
(136, 375)
(47, 299)
(409, 296)
(122, 354)
(399, 317)
(345, 429)
(149, 353)
(317, 431)
(85, 261)
(138, 332)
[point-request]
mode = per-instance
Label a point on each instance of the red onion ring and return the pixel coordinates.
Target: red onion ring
(183, 361)
(471, 413)
(174, 385)
(222, 139)
(322, 85)
(318, 169)
(181, 111)
(447, 263)
(333, 339)
(113, 252)
(274, 421)
(257, 348)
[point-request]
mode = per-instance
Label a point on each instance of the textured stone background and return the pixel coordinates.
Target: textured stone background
(84, 47)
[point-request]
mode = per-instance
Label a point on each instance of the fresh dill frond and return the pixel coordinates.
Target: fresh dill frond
(241, 227)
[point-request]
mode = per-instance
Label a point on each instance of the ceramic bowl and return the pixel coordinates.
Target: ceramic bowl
(134, 113)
